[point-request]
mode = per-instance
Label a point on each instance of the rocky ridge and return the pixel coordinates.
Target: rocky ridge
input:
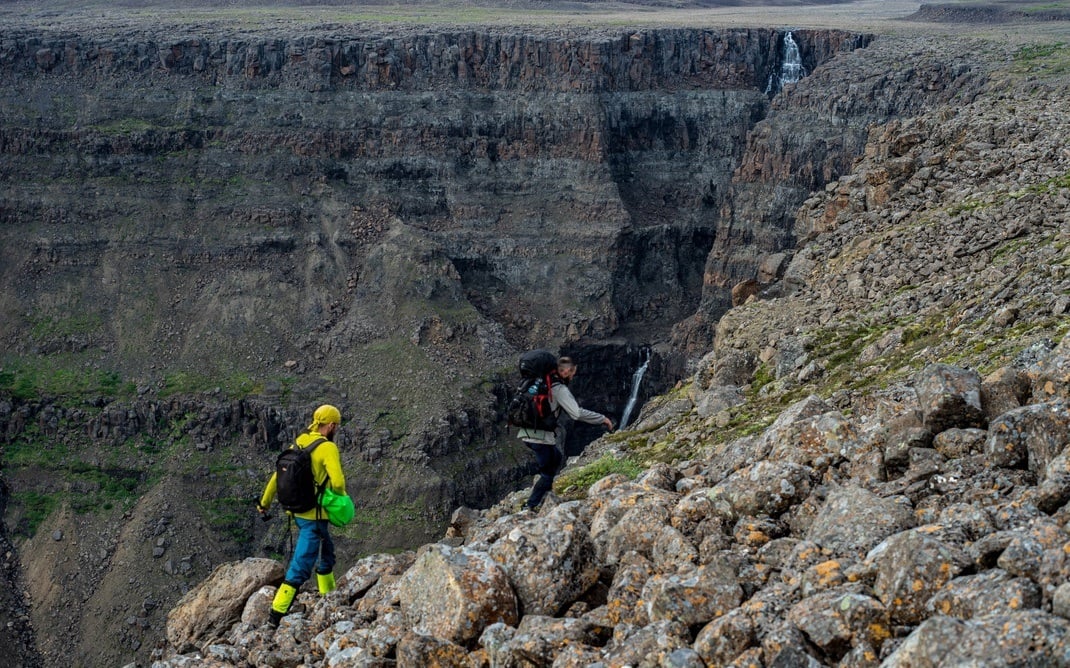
(869, 468)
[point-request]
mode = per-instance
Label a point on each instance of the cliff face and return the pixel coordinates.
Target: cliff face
(206, 235)
(557, 175)
(811, 136)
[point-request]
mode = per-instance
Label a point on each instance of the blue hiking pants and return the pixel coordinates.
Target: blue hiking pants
(548, 457)
(314, 545)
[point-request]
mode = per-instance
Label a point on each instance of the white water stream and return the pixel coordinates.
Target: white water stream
(791, 67)
(637, 378)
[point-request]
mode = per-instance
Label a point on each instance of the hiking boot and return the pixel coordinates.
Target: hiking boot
(274, 618)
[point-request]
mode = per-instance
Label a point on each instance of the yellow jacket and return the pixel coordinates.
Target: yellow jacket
(326, 465)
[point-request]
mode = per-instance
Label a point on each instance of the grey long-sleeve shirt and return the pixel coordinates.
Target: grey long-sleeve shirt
(561, 400)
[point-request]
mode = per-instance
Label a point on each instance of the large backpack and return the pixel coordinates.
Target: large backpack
(295, 485)
(530, 405)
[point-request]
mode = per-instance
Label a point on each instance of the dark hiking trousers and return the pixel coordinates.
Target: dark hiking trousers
(548, 458)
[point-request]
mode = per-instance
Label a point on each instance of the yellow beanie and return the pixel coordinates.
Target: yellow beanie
(325, 414)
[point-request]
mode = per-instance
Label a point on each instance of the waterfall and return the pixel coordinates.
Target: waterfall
(791, 67)
(637, 378)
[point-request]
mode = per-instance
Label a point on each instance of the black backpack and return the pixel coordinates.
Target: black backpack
(295, 485)
(530, 405)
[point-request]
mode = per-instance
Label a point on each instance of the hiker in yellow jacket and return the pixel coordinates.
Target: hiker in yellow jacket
(314, 548)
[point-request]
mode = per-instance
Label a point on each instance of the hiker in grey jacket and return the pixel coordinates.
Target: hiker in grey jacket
(544, 443)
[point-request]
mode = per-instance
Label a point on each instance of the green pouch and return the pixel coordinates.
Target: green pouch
(338, 507)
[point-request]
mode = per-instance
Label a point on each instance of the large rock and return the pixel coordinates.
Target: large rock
(538, 640)
(840, 619)
(421, 651)
(786, 424)
(725, 638)
(550, 560)
(453, 594)
(1050, 376)
(854, 520)
(208, 610)
(649, 646)
(765, 488)
(637, 530)
(818, 441)
(697, 596)
(1027, 638)
(992, 592)
(623, 601)
(1029, 437)
(911, 567)
(364, 574)
(608, 504)
(949, 397)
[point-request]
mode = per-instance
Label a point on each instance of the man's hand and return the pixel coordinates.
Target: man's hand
(608, 423)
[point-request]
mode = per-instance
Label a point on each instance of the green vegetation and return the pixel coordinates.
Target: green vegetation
(369, 523)
(60, 375)
(574, 484)
(1043, 60)
(53, 471)
(235, 385)
(36, 507)
(229, 515)
(42, 328)
(762, 377)
(95, 488)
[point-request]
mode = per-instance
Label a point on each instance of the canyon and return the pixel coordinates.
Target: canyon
(207, 231)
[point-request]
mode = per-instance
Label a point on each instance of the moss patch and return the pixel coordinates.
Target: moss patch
(574, 484)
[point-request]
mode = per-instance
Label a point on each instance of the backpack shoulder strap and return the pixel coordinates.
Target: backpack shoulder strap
(311, 446)
(326, 481)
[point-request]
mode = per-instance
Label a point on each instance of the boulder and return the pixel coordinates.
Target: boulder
(949, 397)
(1003, 390)
(718, 398)
(607, 505)
(841, 618)
(1029, 437)
(673, 550)
(765, 488)
(1026, 638)
(956, 443)
(258, 607)
(992, 592)
(424, 651)
(539, 639)
(626, 591)
(1024, 555)
(786, 645)
(364, 574)
(725, 638)
(1053, 492)
(692, 597)
(660, 476)
(854, 520)
(973, 521)
(208, 610)
(817, 441)
(550, 560)
(911, 567)
(455, 593)
(648, 646)
(1050, 376)
(637, 530)
(785, 425)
